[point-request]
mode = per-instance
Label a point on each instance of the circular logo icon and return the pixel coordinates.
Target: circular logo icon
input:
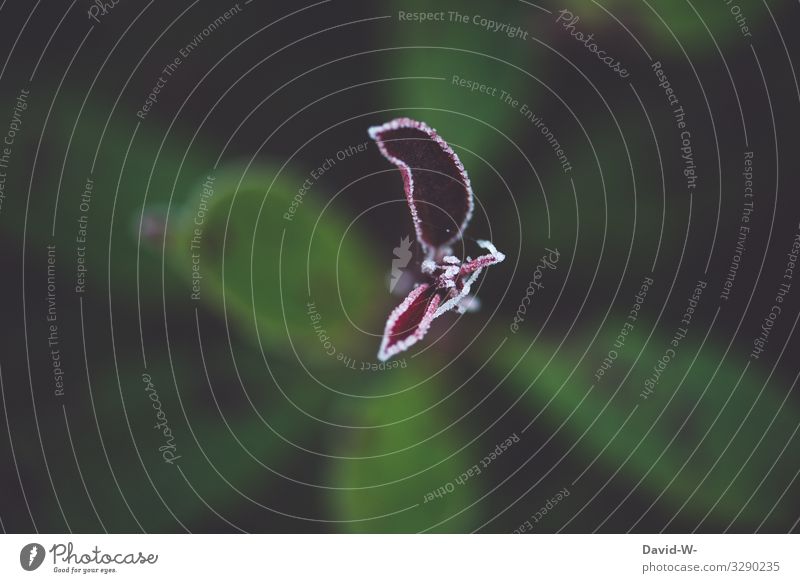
(31, 556)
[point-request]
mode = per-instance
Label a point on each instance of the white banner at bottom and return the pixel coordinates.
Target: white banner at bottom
(415, 558)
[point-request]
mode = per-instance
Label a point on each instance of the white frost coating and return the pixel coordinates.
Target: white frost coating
(405, 123)
(451, 271)
(448, 277)
(468, 304)
(428, 266)
(489, 246)
(386, 352)
(462, 301)
(456, 299)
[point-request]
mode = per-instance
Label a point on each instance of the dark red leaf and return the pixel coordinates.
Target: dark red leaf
(437, 186)
(409, 321)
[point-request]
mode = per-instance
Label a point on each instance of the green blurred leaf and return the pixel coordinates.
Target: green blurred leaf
(658, 24)
(389, 471)
(713, 476)
(265, 269)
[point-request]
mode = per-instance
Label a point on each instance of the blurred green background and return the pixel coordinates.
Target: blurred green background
(275, 428)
